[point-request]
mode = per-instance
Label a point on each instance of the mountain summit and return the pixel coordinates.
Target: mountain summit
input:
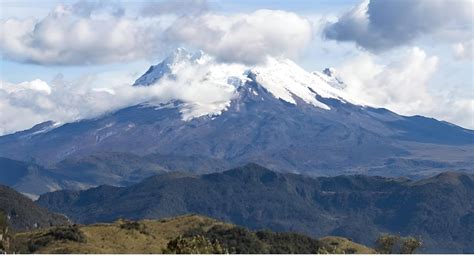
(281, 78)
(275, 114)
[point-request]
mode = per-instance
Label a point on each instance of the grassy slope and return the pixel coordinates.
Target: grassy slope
(152, 237)
(331, 243)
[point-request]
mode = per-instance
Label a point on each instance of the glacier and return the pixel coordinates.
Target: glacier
(212, 84)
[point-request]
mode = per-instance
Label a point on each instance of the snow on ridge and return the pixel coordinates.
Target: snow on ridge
(207, 86)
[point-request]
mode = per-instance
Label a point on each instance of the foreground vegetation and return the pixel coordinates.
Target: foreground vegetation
(185, 235)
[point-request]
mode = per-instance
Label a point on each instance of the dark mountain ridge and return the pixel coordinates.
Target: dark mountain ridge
(23, 214)
(358, 207)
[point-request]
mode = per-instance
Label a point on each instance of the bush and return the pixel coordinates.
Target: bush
(65, 233)
(410, 245)
(134, 226)
(394, 244)
(236, 240)
(194, 245)
(130, 225)
(288, 243)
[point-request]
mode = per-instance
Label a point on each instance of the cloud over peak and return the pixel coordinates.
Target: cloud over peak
(246, 38)
(98, 33)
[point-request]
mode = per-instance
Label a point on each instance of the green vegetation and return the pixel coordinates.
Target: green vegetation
(3, 222)
(239, 240)
(24, 214)
(66, 233)
(133, 226)
(4, 235)
(120, 237)
(194, 245)
(359, 207)
(340, 245)
(180, 235)
(394, 244)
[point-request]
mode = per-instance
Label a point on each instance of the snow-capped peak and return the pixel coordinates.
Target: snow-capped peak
(207, 86)
(170, 65)
(331, 76)
(286, 80)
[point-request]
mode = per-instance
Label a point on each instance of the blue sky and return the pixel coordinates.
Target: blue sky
(413, 57)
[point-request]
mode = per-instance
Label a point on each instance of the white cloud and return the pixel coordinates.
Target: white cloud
(93, 33)
(464, 50)
(246, 38)
(28, 103)
(203, 88)
(404, 87)
(378, 25)
(65, 37)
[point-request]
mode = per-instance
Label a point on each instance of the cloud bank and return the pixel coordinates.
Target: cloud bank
(79, 34)
(203, 88)
(378, 25)
(96, 33)
(247, 38)
(403, 86)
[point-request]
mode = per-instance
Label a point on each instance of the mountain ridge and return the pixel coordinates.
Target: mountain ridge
(277, 115)
(358, 207)
(23, 214)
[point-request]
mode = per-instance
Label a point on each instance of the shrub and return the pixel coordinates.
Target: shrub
(64, 233)
(410, 245)
(394, 244)
(385, 243)
(132, 225)
(194, 245)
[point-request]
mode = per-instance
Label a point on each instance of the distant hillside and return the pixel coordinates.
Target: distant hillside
(78, 173)
(24, 214)
(150, 236)
(440, 210)
(28, 178)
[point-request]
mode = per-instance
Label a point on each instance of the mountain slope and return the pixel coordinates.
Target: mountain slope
(274, 114)
(358, 207)
(24, 214)
(118, 169)
(29, 178)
